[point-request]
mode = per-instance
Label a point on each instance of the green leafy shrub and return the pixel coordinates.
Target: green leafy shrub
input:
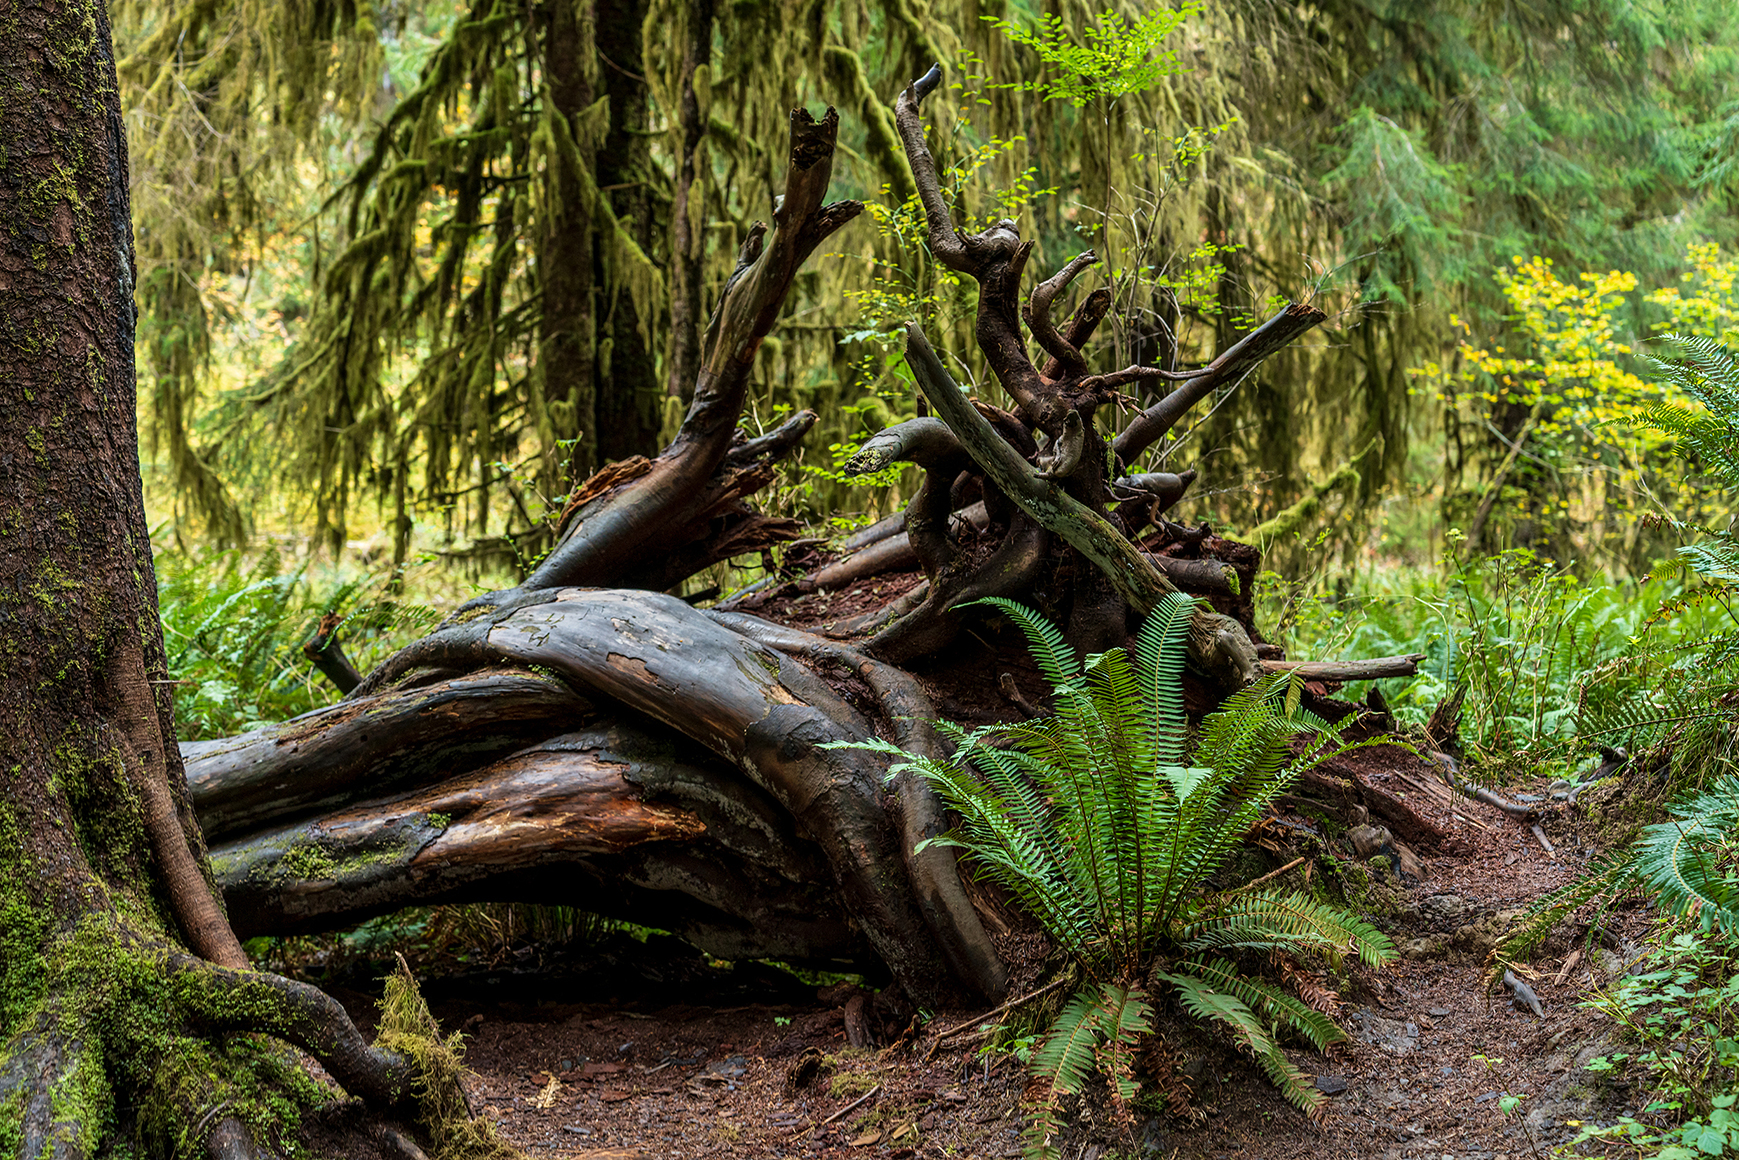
(1106, 825)
(1680, 1013)
(233, 627)
(1549, 664)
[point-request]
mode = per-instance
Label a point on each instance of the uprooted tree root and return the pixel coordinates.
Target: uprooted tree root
(623, 751)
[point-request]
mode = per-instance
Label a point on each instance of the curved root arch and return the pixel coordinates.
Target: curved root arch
(682, 755)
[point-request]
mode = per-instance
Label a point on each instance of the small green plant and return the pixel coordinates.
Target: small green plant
(1103, 823)
(1019, 1046)
(1680, 1010)
(1111, 59)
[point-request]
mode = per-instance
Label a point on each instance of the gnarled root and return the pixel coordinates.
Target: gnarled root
(138, 1045)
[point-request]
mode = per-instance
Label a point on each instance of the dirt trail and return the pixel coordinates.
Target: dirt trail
(648, 1052)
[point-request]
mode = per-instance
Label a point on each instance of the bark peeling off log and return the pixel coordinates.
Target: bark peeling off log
(401, 737)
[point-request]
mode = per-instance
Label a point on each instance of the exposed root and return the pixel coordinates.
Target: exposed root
(227, 1000)
(935, 874)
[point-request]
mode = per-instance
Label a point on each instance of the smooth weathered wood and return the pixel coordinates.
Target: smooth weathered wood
(1218, 644)
(617, 820)
(1367, 669)
(760, 712)
(400, 738)
(1233, 364)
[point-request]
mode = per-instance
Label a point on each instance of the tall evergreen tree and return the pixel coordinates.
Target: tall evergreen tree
(519, 273)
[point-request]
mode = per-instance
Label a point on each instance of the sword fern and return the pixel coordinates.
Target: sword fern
(1105, 824)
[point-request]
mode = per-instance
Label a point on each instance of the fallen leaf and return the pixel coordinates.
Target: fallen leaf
(905, 1131)
(953, 1096)
(546, 1098)
(614, 1095)
(593, 1070)
(865, 1140)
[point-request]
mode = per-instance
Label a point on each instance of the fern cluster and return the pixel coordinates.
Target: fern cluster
(1107, 826)
(1687, 861)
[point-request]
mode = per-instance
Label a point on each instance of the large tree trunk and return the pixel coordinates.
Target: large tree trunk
(124, 988)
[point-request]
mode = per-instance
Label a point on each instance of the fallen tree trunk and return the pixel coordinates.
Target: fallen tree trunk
(619, 750)
(764, 842)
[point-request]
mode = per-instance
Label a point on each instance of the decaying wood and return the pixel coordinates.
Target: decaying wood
(326, 651)
(619, 750)
(1239, 360)
(751, 709)
(604, 536)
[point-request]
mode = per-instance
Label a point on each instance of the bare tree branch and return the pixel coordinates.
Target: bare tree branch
(1038, 316)
(1243, 356)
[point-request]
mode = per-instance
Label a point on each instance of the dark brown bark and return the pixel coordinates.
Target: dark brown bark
(700, 850)
(566, 256)
(106, 888)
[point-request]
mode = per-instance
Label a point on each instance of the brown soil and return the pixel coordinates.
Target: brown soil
(646, 1050)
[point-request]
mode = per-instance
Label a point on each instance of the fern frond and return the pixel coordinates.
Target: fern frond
(1202, 1001)
(1126, 1015)
(1688, 858)
(1064, 1057)
(1273, 1004)
(1264, 919)
(1612, 873)
(1056, 660)
(1160, 652)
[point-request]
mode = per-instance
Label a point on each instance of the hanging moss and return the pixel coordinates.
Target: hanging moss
(1364, 153)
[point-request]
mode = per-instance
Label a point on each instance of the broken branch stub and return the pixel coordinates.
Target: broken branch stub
(607, 535)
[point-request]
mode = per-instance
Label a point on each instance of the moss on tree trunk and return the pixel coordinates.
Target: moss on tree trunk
(129, 1020)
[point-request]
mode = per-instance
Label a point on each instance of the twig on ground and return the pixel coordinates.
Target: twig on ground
(1545, 843)
(1268, 877)
(847, 1110)
(977, 1021)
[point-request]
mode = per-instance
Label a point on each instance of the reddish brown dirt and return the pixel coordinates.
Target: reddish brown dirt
(653, 1053)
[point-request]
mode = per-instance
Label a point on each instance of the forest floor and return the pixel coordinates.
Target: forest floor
(646, 1049)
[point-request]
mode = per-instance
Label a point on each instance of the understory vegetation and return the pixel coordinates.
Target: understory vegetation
(1109, 826)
